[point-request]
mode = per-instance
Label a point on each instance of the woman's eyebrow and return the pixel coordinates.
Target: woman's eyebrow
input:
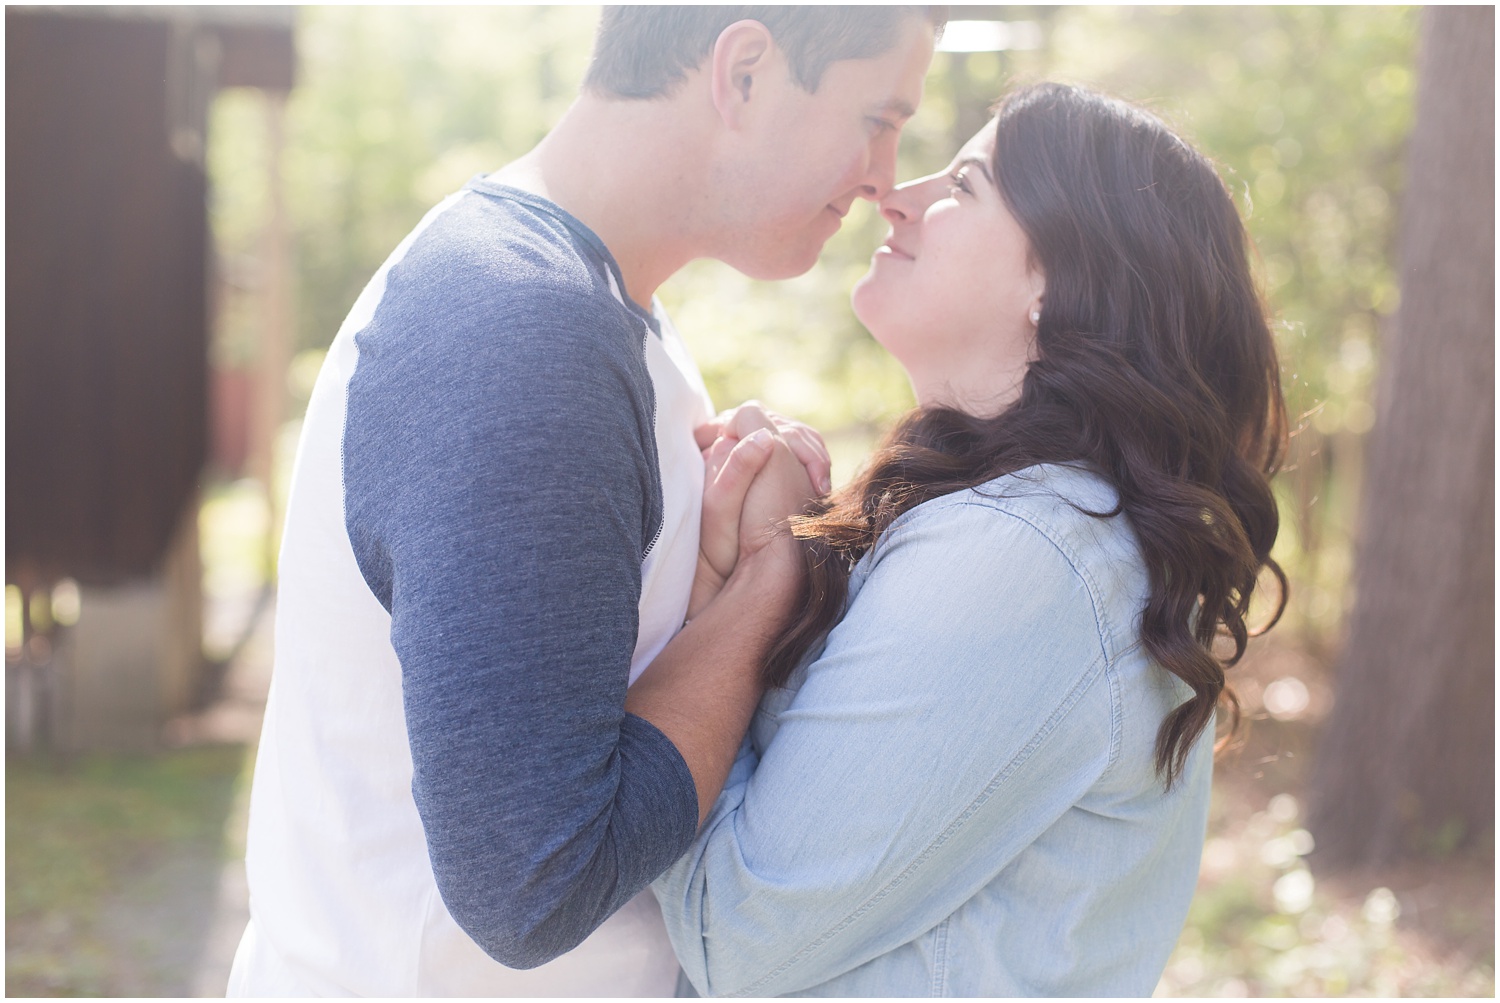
(983, 167)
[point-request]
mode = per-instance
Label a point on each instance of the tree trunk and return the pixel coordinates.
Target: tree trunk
(1406, 764)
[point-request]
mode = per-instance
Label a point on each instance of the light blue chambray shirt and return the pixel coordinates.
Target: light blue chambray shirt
(958, 796)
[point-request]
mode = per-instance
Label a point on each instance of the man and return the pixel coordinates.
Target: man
(493, 526)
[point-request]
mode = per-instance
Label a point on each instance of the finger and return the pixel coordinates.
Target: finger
(748, 417)
(786, 463)
(724, 496)
(741, 461)
(782, 490)
(808, 447)
(706, 433)
(807, 442)
(714, 456)
(724, 423)
(785, 425)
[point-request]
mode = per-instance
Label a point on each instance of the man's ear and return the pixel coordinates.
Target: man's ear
(741, 56)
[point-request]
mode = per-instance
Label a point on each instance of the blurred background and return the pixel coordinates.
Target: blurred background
(196, 195)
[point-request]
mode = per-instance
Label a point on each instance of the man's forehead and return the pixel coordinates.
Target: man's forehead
(892, 82)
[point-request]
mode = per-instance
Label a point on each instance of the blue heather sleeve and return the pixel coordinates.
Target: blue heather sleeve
(499, 493)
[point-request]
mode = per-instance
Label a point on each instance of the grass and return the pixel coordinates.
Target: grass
(111, 869)
(1263, 925)
(112, 864)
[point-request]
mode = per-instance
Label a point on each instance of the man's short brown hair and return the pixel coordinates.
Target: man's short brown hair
(643, 51)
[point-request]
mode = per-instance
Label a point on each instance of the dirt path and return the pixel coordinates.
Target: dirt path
(235, 718)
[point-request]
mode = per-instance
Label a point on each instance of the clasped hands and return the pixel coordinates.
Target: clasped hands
(759, 470)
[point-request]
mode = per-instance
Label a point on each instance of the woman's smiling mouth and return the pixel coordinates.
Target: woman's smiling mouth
(895, 250)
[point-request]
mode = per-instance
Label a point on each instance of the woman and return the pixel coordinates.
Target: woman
(985, 767)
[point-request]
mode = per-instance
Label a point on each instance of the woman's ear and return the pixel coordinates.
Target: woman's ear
(1034, 315)
(1038, 282)
(740, 57)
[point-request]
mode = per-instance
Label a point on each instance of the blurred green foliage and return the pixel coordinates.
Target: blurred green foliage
(395, 107)
(1305, 108)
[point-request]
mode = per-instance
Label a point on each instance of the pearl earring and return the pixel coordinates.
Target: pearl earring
(1036, 317)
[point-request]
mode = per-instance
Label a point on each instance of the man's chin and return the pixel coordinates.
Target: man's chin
(776, 267)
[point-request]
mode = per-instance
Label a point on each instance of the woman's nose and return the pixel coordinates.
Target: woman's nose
(907, 202)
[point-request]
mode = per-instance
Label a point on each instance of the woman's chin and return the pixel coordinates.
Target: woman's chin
(864, 299)
(880, 334)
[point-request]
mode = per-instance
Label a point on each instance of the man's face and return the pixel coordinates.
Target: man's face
(804, 158)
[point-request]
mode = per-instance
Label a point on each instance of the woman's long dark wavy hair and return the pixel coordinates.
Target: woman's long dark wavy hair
(1154, 366)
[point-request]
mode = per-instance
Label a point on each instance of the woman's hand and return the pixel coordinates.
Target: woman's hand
(729, 468)
(751, 486)
(803, 440)
(728, 475)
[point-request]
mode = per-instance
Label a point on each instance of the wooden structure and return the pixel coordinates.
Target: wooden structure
(108, 266)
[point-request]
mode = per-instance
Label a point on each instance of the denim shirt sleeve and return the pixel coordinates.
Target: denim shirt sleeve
(959, 709)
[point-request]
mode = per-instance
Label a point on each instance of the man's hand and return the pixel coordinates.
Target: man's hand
(781, 490)
(736, 446)
(730, 467)
(703, 687)
(751, 487)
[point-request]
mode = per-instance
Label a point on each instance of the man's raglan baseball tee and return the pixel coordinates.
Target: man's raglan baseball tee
(491, 531)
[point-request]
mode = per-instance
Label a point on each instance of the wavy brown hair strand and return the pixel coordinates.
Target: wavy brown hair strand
(1154, 367)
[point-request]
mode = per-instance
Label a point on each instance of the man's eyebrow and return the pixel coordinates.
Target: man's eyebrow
(899, 107)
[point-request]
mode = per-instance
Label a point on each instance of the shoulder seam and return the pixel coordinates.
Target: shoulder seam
(968, 499)
(1102, 623)
(1101, 665)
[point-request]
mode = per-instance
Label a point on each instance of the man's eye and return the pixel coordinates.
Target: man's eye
(883, 125)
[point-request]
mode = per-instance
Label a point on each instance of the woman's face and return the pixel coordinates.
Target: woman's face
(952, 292)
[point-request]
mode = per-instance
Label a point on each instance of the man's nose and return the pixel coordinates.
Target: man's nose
(880, 169)
(881, 177)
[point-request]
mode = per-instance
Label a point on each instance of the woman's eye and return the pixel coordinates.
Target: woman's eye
(959, 182)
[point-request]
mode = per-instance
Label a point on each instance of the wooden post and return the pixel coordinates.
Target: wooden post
(276, 324)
